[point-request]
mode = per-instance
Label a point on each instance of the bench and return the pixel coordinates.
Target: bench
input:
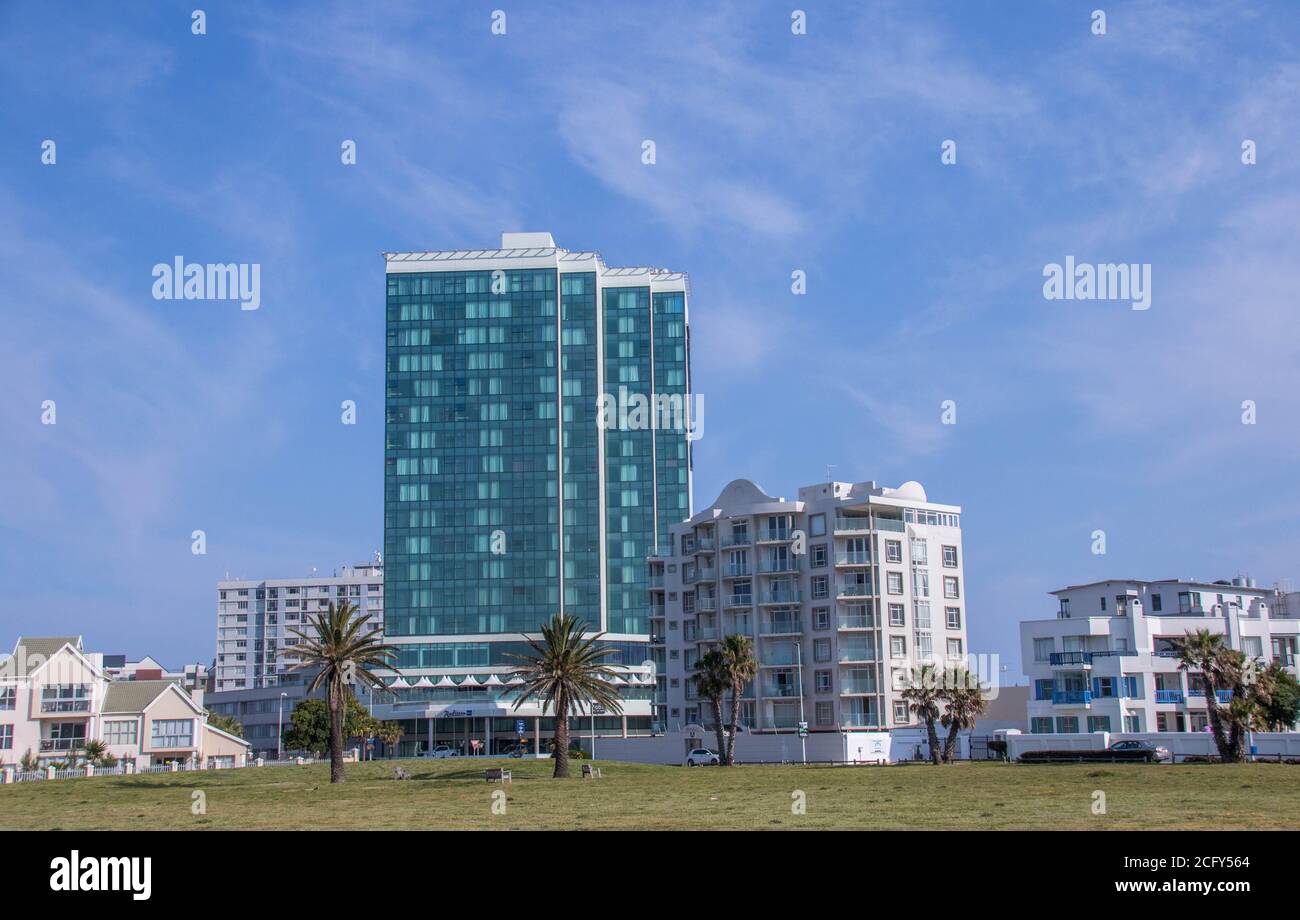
(496, 775)
(588, 771)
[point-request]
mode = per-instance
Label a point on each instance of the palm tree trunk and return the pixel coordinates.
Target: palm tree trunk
(736, 690)
(950, 743)
(336, 730)
(934, 740)
(717, 718)
(1221, 741)
(561, 737)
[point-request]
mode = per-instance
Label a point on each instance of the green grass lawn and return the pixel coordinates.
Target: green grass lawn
(452, 794)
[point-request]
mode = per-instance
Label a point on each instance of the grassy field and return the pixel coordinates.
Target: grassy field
(453, 795)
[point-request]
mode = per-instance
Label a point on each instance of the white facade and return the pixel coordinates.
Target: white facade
(843, 591)
(254, 618)
(1106, 662)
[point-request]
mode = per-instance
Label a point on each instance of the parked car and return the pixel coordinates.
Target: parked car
(441, 752)
(1155, 754)
(700, 757)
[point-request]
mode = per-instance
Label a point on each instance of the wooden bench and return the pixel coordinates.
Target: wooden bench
(497, 775)
(588, 771)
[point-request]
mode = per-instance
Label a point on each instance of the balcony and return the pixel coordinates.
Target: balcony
(852, 524)
(850, 621)
(775, 566)
(852, 590)
(656, 610)
(778, 535)
(781, 656)
(703, 545)
(700, 574)
(736, 540)
(856, 687)
(852, 559)
(781, 692)
(62, 744)
(706, 604)
(742, 570)
(784, 626)
(740, 600)
(55, 707)
(1169, 696)
(1070, 659)
(655, 581)
(706, 634)
(1072, 697)
(853, 652)
(788, 596)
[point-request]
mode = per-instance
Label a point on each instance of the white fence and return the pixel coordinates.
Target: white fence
(1181, 745)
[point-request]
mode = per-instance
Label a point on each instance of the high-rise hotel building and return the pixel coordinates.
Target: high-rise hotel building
(506, 500)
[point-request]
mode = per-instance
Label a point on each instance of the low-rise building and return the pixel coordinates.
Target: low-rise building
(1107, 660)
(55, 697)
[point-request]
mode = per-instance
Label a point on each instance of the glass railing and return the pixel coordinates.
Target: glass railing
(707, 635)
(854, 591)
(855, 652)
(891, 524)
(778, 565)
(740, 600)
(789, 596)
(655, 581)
(704, 544)
(851, 685)
(853, 559)
(783, 692)
(856, 622)
(65, 705)
(780, 657)
(737, 571)
(706, 603)
(62, 744)
(783, 626)
(859, 720)
(737, 540)
(853, 525)
(773, 536)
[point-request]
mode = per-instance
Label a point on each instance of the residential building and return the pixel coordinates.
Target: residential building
(255, 618)
(55, 696)
(844, 591)
(191, 676)
(510, 495)
(263, 712)
(1107, 661)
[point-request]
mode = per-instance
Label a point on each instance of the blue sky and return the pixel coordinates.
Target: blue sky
(775, 152)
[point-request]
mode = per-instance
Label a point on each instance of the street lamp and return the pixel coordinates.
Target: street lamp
(279, 735)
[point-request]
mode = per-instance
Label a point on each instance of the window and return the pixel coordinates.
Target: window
(1156, 603)
(900, 712)
(1104, 687)
(6, 737)
(826, 713)
(893, 551)
(1252, 646)
(954, 648)
(1103, 602)
(920, 555)
(1065, 608)
(817, 525)
(121, 731)
(897, 647)
(950, 587)
(1067, 724)
(821, 618)
(950, 557)
(8, 697)
(1133, 723)
(897, 615)
(952, 616)
(819, 556)
(1041, 725)
(820, 587)
(895, 582)
(1189, 601)
(822, 681)
(1043, 688)
(1132, 685)
(920, 583)
(821, 650)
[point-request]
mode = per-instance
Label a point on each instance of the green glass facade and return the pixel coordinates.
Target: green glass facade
(493, 481)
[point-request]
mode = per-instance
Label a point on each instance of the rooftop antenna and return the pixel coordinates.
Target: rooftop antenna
(829, 467)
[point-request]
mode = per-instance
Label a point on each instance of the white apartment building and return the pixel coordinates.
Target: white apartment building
(842, 591)
(254, 618)
(55, 696)
(1106, 662)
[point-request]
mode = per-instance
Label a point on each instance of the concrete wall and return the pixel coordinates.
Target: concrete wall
(1179, 744)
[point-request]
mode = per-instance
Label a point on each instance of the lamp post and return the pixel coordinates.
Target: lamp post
(279, 735)
(803, 732)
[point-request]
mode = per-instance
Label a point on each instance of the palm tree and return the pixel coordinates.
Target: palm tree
(96, 752)
(566, 673)
(713, 681)
(923, 695)
(964, 702)
(737, 652)
(1206, 652)
(344, 655)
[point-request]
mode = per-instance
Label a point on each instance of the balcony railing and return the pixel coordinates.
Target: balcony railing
(852, 525)
(740, 600)
(1058, 658)
(704, 545)
(654, 581)
(737, 540)
(737, 571)
(62, 744)
(706, 634)
(856, 622)
(65, 705)
(782, 692)
(771, 566)
(788, 596)
(782, 627)
(1169, 696)
(853, 559)
(852, 590)
(849, 687)
(773, 536)
(856, 653)
(1072, 697)
(859, 720)
(706, 603)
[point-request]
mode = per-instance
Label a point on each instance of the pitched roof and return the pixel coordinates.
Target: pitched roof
(133, 695)
(44, 646)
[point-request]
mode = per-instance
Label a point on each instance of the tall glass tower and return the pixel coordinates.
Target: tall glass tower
(511, 492)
